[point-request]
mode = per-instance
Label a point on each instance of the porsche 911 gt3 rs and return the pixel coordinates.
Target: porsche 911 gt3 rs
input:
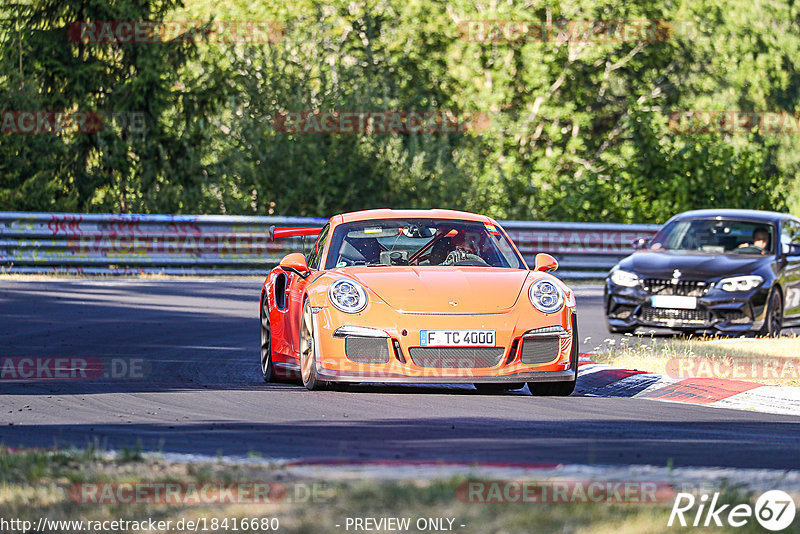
(417, 296)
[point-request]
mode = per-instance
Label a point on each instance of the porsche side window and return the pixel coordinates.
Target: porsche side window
(315, 255)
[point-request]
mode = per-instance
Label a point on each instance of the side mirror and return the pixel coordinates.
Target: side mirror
(640, 243)
(794, 249)
(545, 263)
(295, 263)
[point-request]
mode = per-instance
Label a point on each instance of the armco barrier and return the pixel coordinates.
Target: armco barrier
(231, 245)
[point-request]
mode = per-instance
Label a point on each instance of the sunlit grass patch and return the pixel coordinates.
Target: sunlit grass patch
(772, 361)
(38, 484)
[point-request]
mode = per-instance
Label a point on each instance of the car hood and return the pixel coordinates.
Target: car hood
(456, 290)
(691, 265)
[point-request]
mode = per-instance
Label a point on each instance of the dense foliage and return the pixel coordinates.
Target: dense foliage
(579, 129)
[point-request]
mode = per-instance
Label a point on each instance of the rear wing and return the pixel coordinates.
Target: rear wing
(280, 233)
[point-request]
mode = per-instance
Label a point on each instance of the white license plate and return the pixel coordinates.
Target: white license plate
(673, 301)
(456, 338)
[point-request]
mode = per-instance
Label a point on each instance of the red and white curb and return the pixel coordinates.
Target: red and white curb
(600, 380)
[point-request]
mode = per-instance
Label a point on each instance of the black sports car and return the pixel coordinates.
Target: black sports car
(726, 270)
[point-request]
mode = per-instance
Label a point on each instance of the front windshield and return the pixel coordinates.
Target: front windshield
(429, 242)
(715, 237)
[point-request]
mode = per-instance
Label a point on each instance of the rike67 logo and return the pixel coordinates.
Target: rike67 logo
(774, 510)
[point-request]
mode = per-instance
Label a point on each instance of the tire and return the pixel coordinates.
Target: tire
(621, 329)
(308, 351)
(267, 367)
(560, 389)
(773, 322)
(484, 387)
(552, 389)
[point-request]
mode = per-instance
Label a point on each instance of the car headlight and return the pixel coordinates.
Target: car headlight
(347, 295)
(624, 278)
(546, 296)
(740, 283)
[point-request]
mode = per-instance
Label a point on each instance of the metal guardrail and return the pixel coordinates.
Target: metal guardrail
(238, 245)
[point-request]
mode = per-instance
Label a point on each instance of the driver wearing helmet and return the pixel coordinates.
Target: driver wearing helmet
(464, 249)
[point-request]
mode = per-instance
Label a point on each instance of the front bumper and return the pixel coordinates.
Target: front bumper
(354, 376)
(406, 361)
(732, 312)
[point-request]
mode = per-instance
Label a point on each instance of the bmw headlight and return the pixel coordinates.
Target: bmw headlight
(347, 295)
(546, 296)
(740, 283)
(624, 278)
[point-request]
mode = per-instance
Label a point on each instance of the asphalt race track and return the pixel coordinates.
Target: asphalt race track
(195, 342)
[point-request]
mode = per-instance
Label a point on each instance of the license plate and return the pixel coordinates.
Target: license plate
(673, 301)
(456, 338)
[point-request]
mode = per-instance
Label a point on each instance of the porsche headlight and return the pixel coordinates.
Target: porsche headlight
(546, 296)
(347, 295)
(740, 283)
(624, 278)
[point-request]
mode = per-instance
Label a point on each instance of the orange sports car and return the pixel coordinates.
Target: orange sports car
(417, 296)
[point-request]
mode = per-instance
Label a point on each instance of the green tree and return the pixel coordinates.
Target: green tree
(44, 67)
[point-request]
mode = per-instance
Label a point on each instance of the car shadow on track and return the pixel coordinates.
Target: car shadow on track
(109, 339)
(732, 443)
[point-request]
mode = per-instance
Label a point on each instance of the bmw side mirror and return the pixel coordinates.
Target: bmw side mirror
(640, 243)
(295, 263)
(544, 263)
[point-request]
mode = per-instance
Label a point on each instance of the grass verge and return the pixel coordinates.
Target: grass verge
(43, 484)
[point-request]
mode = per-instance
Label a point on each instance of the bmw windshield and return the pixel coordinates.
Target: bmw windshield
(423, 242)
(715, 236)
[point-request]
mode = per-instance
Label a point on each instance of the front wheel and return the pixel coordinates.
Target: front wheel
(561, 389)
(308, 351)
(267, 367)
(552, 389)
(688, 332)
(773, 322)
(490, 388)
(621, 329)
